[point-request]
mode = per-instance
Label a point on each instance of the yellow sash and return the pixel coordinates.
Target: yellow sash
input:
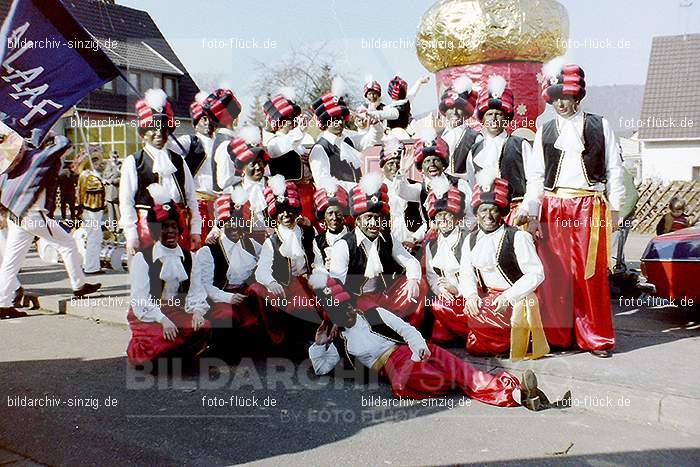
(526, 322)
(596, 220)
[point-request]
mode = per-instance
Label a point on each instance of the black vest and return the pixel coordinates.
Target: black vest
(219, 139)
(459, 156)
(154, 268)
(196, 155)
(221, 260)
(355, 277)
(510, 164)
(281, 265)
(339, 168)
(506, 261)
(404, 116)
(288, 165)
(145, 176)
(593, 154)
(457, 250)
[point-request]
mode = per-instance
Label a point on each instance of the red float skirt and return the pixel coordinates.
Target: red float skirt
(575, 296)
(148, 344)
(444, 371)
(392, 300)
(144, 231)
(299, 302)
(243, 315)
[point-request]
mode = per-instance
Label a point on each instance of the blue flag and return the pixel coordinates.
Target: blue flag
(48, 62)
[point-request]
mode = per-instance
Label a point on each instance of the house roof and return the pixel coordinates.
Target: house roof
(670, 93)
(140, 45)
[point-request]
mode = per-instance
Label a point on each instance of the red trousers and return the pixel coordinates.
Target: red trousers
(399, 305)
(575, 310)
(444, 371)
(451, 316)
(489, 332)
(299, 302)
(243, 315)
(148, 344)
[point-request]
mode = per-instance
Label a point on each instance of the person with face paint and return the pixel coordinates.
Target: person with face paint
(415, 369)
(91, 206)
(288, 156)
(285, 259)
(407, 224)
(227, 267)
(431, 158)
(336, 153)
(222, 109)
(397, 113)
(575, 189)
(154, 163)
(499, 272)
(332, 208)
(446, 207)
(371, 263)
(168, 301)
(249, 162)
(197, 151)
(508, 154)
(457, 106)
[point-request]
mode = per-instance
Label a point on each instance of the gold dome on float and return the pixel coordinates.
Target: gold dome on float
(462, 32)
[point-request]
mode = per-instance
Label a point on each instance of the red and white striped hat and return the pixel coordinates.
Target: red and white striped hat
(228, 206)
(560, 80)
(497, 95)
(398, 88)
(371, 85)
(427, 144)
(328, 194)
(155, 111)
(245, 148)
(491, 190)
(331, 106)
(370, 195)
(196, 109)
(443, 196)
(222, 107)
(461, 95)
(281, 107)
(280, 195)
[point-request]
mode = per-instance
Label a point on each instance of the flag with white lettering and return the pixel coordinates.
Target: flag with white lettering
(48, 62)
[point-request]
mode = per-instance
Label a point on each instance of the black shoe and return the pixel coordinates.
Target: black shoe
(87, 289)
(10, 312)
(19, 295)
(529, 394)
(601, 353)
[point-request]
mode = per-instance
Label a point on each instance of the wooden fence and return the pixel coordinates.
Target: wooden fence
(654, 198)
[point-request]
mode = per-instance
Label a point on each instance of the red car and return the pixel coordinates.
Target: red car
(671, 262)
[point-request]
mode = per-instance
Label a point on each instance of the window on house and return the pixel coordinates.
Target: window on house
(135, 80)
(158, 82)
(696, 173)
(108, 86)
(170, 87)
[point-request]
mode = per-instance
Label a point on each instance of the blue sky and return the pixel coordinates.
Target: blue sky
(195, 28)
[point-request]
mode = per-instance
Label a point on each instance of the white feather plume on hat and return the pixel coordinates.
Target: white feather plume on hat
(250, 134)
(338, 87)
(462, 84)
(318, 279)
(439, 186)
(278, 185)
(485, 177)
(159, 193)
(368, 79)
(155, 99)
(239, 196)
(288, 93)
(427, 135)
(200, 97)
(554, 67)
(371, 183)
(391, 145)
(497, 84)
(329, 184)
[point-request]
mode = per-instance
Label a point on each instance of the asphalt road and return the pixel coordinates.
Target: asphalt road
(101, 413)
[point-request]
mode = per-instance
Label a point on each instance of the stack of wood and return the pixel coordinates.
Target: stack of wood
(653, 203)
